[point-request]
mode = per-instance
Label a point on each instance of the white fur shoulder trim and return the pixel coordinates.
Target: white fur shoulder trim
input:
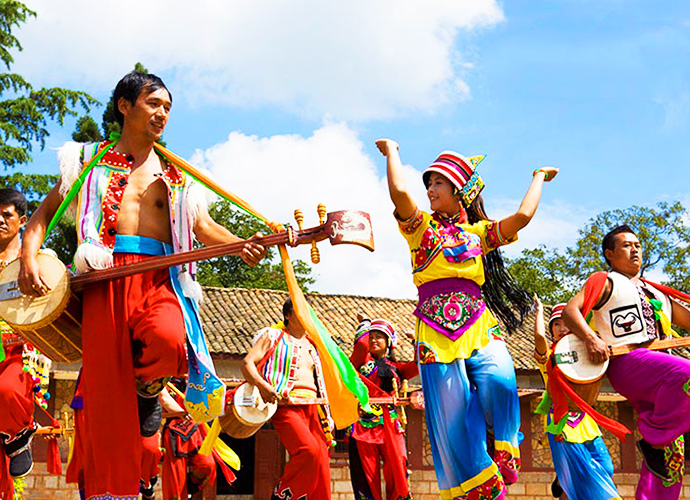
(69, 159)
(271, 332)
(91, 256)
(190, 288)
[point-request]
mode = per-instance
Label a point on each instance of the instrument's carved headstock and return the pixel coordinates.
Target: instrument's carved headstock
(350, 226)
(345, 226)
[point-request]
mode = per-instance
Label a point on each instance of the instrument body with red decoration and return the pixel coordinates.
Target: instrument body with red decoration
(52, 322)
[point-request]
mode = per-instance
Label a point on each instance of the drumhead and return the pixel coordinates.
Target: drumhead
(26, 312)
(250, 407)
(572, 358)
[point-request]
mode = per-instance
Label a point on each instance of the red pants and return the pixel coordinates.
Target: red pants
(16, 409)
(307, 475)
(132, 327)
(150, 454)
(16, 396)
(370, 456)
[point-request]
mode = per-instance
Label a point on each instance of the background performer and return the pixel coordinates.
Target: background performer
(369, 442)
(291, 370)
(583, 465)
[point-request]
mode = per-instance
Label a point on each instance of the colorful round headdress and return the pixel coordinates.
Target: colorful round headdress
(383, 326)
(461, 171)
(556, 313)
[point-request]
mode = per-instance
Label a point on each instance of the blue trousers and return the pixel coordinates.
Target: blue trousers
(584, 470)
(463, 400)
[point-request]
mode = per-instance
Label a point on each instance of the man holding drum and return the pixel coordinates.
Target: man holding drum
(630, 311)
(291, 371)
(132, 203)
(16, 396)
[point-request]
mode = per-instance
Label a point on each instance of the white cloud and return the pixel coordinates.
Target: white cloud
(284, 172)
(353, 60)
(280, 173)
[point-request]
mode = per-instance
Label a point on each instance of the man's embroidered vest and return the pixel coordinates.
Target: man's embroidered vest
(622, 320)
(97, 205)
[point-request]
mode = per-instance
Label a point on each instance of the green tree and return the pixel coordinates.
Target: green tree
(86, 130)
(664, 235)
(63, 239)
(24, 114)
(233, 272)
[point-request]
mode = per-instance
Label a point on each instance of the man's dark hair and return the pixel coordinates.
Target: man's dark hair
(609, 241)
(9, 196)
(131, 86)
(288, 309)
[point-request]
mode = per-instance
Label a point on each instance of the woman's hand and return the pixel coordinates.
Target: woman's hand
(549, 173)
(386, 146)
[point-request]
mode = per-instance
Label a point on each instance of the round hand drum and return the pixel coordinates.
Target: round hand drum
(247, 413)
(571, 356)
(52, 323)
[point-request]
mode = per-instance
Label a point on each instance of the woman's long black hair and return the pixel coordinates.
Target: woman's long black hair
(502, 294)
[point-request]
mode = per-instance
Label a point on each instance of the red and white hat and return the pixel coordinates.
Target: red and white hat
(459, 170)
(556, 313)
(385, 327)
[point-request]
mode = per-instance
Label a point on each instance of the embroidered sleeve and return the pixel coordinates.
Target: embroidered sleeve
(492, 237)
(412, 223)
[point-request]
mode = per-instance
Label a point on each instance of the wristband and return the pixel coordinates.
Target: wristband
(546, 174)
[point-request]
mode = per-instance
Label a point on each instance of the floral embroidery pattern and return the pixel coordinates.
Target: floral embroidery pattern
(494, 238)
(451, 310)
(425, 353)
(448, 235)
(487, 491)
(675, 461)
(508, 465)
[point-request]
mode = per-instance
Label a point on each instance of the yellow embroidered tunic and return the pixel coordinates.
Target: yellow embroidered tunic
(441, 250)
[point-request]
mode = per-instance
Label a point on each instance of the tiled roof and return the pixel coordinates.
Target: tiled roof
(231, 317)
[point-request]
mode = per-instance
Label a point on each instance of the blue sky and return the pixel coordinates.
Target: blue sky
(282, 102)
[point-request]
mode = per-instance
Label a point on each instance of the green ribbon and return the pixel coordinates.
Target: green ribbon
(544, 408)
(2, 351)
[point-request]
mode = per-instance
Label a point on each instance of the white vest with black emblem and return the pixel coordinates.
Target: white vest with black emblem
(620, 321)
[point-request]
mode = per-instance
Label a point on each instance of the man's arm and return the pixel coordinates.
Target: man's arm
(575, 321)
(252, 375)
(29, 279)
(681, 315)
(209, 232)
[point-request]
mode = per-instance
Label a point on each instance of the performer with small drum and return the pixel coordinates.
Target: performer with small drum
(630, 311)
(184, 470)
(467, 373)
(16, 396)
(583, 464)
(292, 373)
(370, 440)
(132, 203)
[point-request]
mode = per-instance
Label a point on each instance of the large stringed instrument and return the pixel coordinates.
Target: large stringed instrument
(52, 323)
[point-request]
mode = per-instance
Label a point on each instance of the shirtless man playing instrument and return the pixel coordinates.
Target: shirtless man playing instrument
(630, 311)
(277, 352)
(131, 203)
(16, 396)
